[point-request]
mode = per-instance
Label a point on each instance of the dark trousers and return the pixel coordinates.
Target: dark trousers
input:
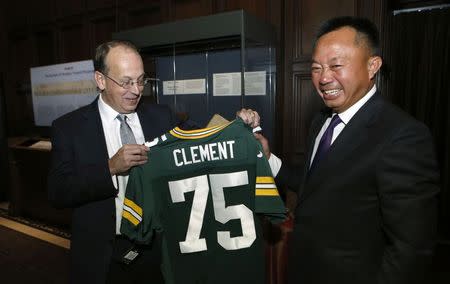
(146, 268)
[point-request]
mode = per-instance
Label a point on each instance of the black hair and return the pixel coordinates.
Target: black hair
(103, 49)
(365, 30)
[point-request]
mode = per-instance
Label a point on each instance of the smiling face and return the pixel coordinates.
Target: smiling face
(123, 64)
(342, 68)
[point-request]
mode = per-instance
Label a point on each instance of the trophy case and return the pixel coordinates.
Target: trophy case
(210, 65)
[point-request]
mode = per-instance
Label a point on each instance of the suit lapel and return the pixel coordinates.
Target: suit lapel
(355, 133)
(94, 129)
(316, 125)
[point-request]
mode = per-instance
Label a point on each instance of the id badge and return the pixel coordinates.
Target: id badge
(130, 256)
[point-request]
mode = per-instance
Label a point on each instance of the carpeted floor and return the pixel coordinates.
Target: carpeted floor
(59, 231)
(24, 260)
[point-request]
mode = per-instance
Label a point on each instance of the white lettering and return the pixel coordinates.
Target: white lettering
(194, 154)
(231, 144)
(175, 152)
(213, 151)
(203, 153)
(222, 150)
(186, 162)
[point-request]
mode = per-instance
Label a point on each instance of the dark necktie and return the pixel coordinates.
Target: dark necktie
(325, 141)
(126, 134)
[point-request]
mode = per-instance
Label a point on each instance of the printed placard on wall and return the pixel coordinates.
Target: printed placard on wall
(229, 84)
(61, 88)
(184, 87)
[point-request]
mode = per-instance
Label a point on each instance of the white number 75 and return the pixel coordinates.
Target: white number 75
(199, 184)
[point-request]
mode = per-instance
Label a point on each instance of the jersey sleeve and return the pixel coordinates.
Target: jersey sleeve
(267, 198)
(137, 209)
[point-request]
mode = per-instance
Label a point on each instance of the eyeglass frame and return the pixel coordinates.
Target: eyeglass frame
(130, 83)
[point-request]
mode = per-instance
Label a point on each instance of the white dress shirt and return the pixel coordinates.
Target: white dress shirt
(345, 118)
(111, 129)
(275, 162)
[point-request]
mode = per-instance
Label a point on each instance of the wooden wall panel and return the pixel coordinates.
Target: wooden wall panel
(256, 7)
(95, 5)
(309, 16)
(45, 47)
(267, 10)
(43, 11)
(66, 9)
(16, 16)
(101, 29)
(184, 9)
(18, 90)
(73, 42)
(141, 15)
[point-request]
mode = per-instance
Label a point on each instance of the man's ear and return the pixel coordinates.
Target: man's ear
(100, 80)
(375, 63)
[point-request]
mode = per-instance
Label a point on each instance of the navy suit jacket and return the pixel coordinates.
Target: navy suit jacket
(79, 178)
(367, 212)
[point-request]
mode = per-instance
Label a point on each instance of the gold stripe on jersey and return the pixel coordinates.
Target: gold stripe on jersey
(266, 192)
(136, 208)
(127, 215)
(198, 133)
(265, 186)
(267, 179)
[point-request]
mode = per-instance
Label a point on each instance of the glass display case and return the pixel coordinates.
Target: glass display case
(211, 65)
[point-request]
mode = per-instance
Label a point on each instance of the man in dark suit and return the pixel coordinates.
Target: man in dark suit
(90, 164)
(367, 206)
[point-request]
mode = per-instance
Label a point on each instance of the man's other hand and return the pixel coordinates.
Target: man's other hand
(249, 116)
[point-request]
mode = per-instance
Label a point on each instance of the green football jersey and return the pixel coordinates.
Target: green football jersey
(203, 189)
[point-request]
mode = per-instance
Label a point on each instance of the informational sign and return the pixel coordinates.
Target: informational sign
(184, 87)
(61, 88)
(255, 83)
(229, 84)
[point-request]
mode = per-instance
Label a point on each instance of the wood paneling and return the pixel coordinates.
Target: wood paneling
(95, 5)
(268, 10)
(101, 29)
(143, 15)
(18, 91)
(43, 11)
(184, 9)
(310, 14)
(73, 42)
(66, 9)
(45, 47)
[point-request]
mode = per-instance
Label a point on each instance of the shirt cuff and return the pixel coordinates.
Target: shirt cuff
(275, 164)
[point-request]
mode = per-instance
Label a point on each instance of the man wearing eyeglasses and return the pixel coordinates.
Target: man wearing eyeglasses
(91, 158)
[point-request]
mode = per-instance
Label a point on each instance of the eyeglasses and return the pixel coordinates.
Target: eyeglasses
(141, 82)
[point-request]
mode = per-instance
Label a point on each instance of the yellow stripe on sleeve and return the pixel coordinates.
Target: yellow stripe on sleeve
(265, 180)
(133, 206)
(127, 215)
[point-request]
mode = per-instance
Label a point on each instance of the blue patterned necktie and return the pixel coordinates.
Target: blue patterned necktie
(126, 134)
(325, 141)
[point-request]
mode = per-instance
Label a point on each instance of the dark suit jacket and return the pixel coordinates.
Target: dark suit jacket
(367, 212)
(79, 178)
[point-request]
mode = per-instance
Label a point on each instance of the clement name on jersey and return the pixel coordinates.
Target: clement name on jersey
(203, 190)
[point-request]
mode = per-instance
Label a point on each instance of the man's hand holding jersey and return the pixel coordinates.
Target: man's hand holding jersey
(128, 156)
(253, 119)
